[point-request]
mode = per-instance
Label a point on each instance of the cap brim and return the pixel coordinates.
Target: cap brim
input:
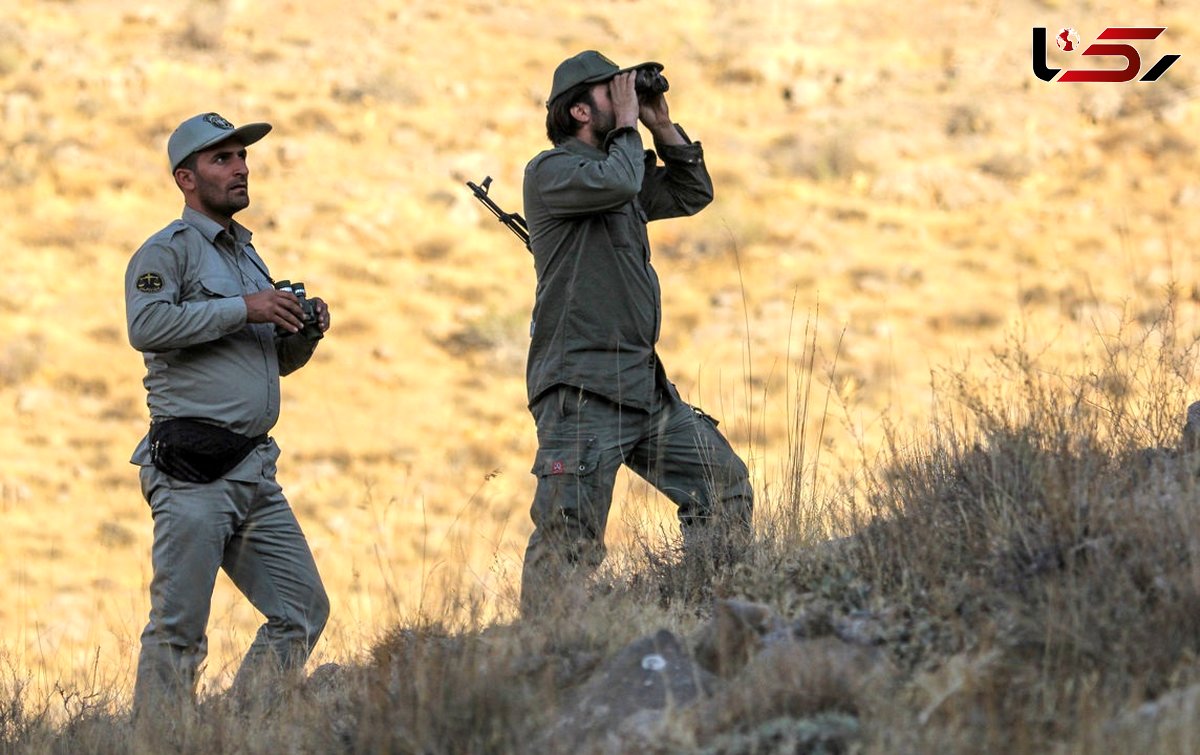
(245, 135)
(607, 76)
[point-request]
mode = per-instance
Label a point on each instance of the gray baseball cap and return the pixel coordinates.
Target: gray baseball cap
(204, 130)
(588, 67)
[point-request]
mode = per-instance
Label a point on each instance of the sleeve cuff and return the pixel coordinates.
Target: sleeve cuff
(691, 153)
(231, 313)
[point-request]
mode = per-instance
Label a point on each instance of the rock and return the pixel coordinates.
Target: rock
(1152, 726)
(789, 687)
(625, 699)
(1191, 426)
(794, 679)
(861, 628)
(739, 630)
(823, 733)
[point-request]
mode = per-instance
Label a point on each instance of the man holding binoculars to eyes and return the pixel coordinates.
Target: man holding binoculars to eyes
(596, 388)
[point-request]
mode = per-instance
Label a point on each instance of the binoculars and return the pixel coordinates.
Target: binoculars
(310, 330)
(649, 82)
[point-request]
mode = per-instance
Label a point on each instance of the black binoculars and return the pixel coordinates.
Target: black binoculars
(311, 329)
(649, 82)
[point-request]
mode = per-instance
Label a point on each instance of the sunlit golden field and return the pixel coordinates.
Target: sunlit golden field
(892, 181)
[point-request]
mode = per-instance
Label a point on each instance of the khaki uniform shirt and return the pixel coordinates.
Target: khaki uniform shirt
(185, 313)
(598, 304)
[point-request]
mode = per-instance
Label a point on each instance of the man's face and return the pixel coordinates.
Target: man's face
(222, 179)
(604, 119)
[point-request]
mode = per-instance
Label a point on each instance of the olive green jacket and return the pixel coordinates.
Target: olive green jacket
(598, 304)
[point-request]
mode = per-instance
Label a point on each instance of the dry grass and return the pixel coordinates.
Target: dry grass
(1025, 577)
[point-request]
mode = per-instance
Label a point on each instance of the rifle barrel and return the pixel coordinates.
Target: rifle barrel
(512, 220)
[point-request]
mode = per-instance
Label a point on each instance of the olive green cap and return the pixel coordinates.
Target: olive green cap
(588, 67)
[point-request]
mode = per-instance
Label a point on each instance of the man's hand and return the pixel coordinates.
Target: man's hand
(623, 95)
(654, 113)
(277, 307)
(322, 311)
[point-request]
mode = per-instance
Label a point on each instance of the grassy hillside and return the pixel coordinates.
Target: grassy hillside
(1023, 580)
(898, 200)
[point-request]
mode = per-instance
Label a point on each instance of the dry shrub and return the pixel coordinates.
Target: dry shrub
(17, 722)
(58, 719)
(1054, 528)
(433, 690)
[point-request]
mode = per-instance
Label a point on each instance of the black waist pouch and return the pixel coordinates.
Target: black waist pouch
(195, 451)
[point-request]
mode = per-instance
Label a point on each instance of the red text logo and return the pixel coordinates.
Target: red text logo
(1068, 41)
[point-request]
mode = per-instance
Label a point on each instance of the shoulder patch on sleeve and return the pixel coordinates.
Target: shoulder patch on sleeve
(149, 283)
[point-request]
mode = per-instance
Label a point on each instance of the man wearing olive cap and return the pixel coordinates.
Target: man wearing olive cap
(216, 335)
(596, 387)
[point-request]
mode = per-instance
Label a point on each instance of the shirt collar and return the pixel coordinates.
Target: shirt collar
(580, 147)
(211, 229)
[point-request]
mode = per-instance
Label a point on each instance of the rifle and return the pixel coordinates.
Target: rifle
(512, 220)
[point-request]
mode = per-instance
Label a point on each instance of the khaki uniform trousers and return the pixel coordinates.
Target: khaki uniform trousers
(243, 524)
(583, 439)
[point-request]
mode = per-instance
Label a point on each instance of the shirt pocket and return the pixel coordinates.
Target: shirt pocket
(622, 228)
(577, 455)
(219, 286)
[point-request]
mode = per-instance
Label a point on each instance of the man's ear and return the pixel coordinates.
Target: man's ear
(185, 179)
(582, 112)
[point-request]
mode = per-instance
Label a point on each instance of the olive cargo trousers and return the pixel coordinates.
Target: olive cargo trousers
(583, 439)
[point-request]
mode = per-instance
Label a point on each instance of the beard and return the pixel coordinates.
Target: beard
(604, 120)
(222, 200)
(604, 123)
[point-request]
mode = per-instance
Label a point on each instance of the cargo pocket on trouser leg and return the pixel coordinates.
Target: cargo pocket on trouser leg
(569, 512)
(570, 508)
